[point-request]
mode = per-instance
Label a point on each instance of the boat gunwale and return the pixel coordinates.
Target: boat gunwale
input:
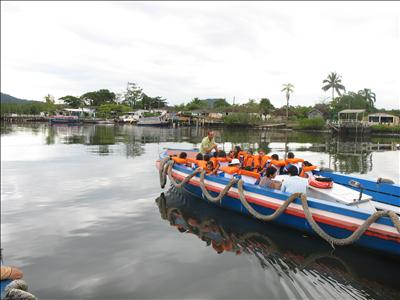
(328, 206)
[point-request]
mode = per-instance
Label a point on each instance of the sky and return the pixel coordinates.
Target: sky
(182, 50)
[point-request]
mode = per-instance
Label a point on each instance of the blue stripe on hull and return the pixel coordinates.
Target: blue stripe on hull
(313, 203)
(302, 224)
(383, 192)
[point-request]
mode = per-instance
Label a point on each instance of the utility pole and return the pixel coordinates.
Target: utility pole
(233, 100)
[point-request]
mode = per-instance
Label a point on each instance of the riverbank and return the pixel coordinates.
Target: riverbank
(300, 126)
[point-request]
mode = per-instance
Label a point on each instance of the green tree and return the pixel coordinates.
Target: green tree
(334, 82)
(72, 101)
(350, 100)
(287, 88)
(196, 103)
(369, 96)
(99, 97)
(112, 110)
(50, 105)
(266, 106)
(49, 99)
(133, 94)
(220, 103)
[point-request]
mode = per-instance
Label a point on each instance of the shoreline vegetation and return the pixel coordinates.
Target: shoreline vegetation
(257, 113)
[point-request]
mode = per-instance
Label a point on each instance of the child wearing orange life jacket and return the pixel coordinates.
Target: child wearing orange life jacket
(232, 169)
(214, 159)
(276, 163)
(181, 159)
(306, 170)
(260, 160)
(210, 170)
(198, 161)
(248, 161)
(223, 160)
(292, 161)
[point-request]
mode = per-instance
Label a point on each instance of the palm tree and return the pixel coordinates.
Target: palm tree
(369, 96)
(288, 88)
(333, 82)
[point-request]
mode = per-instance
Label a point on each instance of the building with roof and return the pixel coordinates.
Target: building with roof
(383, 118)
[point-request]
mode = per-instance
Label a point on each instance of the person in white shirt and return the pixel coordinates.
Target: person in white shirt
(293, 183)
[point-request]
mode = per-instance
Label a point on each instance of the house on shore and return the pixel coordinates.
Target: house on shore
(384, 119)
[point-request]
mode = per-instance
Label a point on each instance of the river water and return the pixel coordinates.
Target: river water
(82, 214)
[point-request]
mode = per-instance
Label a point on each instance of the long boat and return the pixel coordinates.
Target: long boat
(338, 211)
(61, 119)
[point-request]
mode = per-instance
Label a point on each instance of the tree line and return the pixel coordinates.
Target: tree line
(107, 102)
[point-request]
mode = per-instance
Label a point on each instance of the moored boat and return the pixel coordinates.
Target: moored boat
(343, 214)
(160, 120)
(61, 119)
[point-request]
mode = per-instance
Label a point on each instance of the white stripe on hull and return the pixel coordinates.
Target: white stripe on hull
(331, 215)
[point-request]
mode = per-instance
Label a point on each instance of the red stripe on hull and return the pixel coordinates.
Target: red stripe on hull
(299, 213)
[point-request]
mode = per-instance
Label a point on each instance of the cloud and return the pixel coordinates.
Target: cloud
(181, 50)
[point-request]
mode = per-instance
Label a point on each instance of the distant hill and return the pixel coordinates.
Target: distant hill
(5, 98)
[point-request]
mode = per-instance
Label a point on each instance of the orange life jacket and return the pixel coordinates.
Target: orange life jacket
(224, 159)
(277, 163)
(260, 161)
(214, 161)
(242, 154)
(230, 170)
(201, 164)
(248, 161)
(179, 160)
(249, 173)
(293, 160)
(306, 169)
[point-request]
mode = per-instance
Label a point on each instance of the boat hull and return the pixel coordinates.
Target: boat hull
(335, 219)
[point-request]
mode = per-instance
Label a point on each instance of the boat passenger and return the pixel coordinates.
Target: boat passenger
(260, 160)
(293, 183)
(214, 159)
(181, 159)
(306, 170)
(268, 180)
(197, 161)
(276, 163)
(239, 154)
(210, 169)
(208, 143)
(199, 156)
(248, 161)
(291, 160)
(232, 169)
(223, 160)
(12, 273)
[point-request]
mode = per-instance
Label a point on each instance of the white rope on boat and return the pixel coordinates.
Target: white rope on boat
(166, 168)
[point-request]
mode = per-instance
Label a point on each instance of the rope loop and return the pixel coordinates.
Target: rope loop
(166, 166)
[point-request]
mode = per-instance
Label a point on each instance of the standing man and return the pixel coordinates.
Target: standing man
(208, 143)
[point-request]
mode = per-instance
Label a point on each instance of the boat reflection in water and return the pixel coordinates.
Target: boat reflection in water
(286, 252)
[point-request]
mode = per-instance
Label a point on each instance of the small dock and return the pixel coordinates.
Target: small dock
(349, 123)
(24, 118)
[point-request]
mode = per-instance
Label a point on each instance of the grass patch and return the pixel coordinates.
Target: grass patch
(311, 124)
(242, 119)
(385, 128)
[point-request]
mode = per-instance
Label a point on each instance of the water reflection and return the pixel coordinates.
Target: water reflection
(303, 260)
(344, 154)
